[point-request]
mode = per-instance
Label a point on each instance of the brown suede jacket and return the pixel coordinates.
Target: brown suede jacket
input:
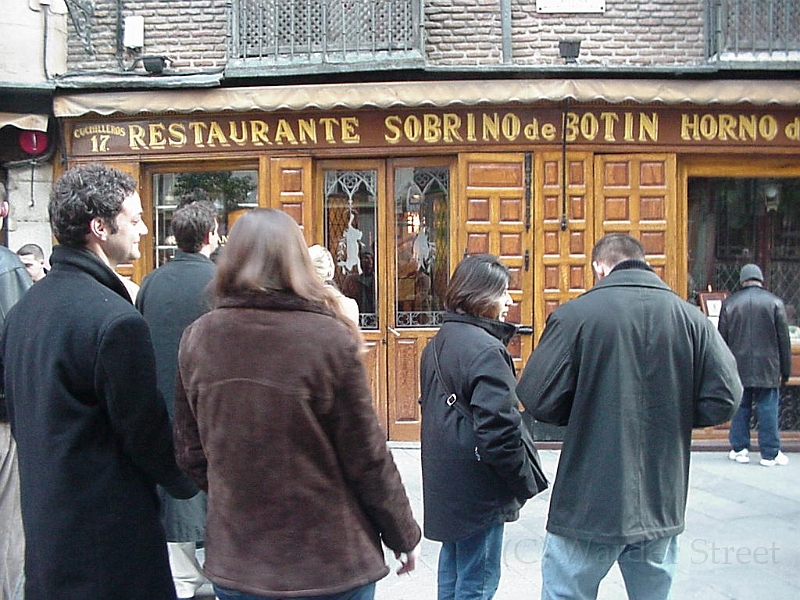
(274, 418)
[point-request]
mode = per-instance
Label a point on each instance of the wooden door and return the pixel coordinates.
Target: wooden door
(564, 231)
(636, 194)
(494, 218)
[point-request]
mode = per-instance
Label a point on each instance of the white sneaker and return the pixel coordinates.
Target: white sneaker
(781, 459)
(742, 456)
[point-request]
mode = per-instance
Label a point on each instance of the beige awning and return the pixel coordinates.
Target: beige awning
(24, 121)
(432, 94)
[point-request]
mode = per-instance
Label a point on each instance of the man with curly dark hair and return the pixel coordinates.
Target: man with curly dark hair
(92, 430)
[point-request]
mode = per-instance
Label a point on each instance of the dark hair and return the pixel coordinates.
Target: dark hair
(266, 251)
(613, 248)
(193, 195)
(33, 249)
(478, 281)
(192, 222)
(83, 193)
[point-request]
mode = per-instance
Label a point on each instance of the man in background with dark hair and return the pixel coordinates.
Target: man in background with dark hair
(93, 433)
(14, 281)
(630, 368)
(32, 256)
(171, 298)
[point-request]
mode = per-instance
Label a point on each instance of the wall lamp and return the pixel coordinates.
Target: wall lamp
(569, 50)
(772, 196)
(154, 65)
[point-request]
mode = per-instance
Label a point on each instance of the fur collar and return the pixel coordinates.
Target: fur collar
(271, 300)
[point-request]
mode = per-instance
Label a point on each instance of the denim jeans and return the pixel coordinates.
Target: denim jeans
(366, 592)
(573, 569)
(767, 400)
(470, 569)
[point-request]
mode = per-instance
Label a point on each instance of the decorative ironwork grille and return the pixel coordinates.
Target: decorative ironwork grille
(754, 29)
(319, 32)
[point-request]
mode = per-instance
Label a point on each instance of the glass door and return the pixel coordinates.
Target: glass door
(387, 226)
(422, 242)
(350, 209)
(419, 272)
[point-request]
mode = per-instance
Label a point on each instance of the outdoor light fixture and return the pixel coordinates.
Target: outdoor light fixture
(569, 50)
(154, 65)
(772, 196)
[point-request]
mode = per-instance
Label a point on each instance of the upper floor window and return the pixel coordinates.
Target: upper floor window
(756, 31)
(324, 35)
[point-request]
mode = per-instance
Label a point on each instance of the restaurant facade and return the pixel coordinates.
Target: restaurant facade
(400, 180)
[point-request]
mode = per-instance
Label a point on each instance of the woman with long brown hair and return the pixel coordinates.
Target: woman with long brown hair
(274, 418)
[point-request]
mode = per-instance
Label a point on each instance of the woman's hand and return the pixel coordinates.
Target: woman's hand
(410, 562)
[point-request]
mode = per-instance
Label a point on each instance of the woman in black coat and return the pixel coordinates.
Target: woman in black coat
(475, 471)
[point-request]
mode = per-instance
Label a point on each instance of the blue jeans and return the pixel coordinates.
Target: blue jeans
(767, 400)
(572, 569)
(363, 593)
(470, 569)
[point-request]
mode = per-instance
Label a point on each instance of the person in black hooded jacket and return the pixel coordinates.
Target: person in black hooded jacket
(754, 324)
(475, 472)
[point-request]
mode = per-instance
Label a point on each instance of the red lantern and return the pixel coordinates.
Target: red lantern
(33, 142)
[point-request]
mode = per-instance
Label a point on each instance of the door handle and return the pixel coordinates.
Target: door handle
(394, 331)
(525, 330)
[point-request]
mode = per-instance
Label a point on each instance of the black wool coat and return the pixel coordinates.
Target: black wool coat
(630, 368)
(481, 477)
(170, 299)
(93, 436)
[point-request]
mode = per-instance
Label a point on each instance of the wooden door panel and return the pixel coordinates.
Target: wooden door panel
(563, 233)
(404, 386)
(291, 185)
(636, 194)
(494, 194)
(375, 363)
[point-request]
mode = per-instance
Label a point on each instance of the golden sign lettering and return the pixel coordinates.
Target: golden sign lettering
(256, 132)
(727, 127)
(434, 128)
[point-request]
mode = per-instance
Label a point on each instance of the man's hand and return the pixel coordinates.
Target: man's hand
(410, 562)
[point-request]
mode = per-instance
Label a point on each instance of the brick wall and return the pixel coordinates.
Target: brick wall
(463, 32)
(190, 32)
(458, 33)
(629, 34)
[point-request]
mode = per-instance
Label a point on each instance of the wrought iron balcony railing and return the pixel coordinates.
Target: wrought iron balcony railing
(754, 31)
(324, 35)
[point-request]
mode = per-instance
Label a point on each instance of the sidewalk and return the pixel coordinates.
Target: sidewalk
(741, 540)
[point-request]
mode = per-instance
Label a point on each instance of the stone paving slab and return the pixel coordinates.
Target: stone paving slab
(740, 543)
